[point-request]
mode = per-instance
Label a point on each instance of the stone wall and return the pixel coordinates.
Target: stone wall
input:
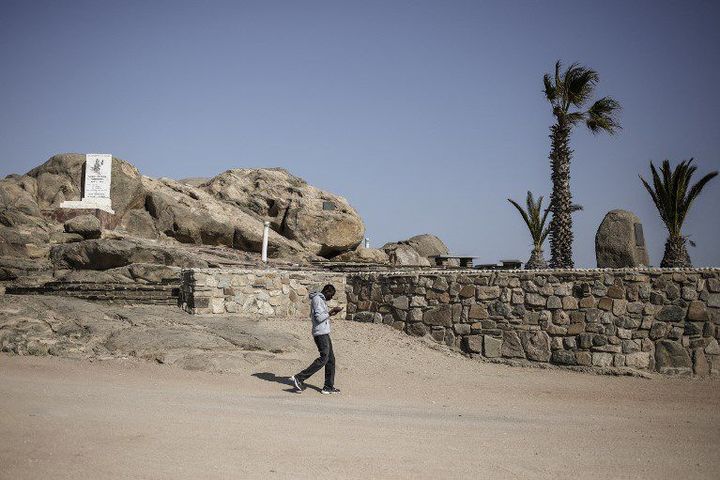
(118, 293)
(651, 319)
(270, 293)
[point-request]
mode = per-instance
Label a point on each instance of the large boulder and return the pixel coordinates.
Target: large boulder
(187, 224)
(192, 215)
(415, 251)
(87, 226)
(619, 242)
(321, 222)
(404, 255)
(364, 255)
(427, 245)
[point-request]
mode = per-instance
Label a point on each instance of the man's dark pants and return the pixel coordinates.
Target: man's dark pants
(326, 359)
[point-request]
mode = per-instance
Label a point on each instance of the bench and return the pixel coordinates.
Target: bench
(457, 261)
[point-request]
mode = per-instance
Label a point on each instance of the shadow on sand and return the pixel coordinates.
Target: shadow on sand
(271, 377)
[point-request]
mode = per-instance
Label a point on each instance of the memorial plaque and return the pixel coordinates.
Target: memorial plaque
(96, 187)
(639, 238)
(97, 175)
(328, 205)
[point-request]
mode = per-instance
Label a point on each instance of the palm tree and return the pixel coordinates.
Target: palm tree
(568, 92)
(673, 199)
(538, 231)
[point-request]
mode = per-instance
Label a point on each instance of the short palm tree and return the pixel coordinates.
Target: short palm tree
(535, 221)
(673, 197)
(568, 92)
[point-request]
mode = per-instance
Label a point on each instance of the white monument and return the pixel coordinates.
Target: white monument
(96, 190)
(266, 234)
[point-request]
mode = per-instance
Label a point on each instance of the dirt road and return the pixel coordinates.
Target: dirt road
(405, 411)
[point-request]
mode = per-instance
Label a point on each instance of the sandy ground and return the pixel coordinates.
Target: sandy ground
(406, 411)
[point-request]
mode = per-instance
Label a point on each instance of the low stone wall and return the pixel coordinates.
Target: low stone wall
(119, 293)
(652, 319)
(269, 293)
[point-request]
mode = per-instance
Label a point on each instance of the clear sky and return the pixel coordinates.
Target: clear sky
(426, 115)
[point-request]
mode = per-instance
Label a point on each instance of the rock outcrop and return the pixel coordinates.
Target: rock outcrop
(415, 251)
(427, 245)
(192, 215)
(322, 223)
(111, 253)
(225, 212)
(619, 242)
(404, 255)
(68, 327)
(364, 255)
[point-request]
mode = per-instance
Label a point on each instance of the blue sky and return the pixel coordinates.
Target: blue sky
(427, 116)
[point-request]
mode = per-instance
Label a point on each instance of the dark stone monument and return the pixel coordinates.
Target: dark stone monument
(619, 242)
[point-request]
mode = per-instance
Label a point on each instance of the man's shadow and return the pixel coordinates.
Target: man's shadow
(271, 377)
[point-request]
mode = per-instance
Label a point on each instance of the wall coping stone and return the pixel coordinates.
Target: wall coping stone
(223, 270)
(550, 271)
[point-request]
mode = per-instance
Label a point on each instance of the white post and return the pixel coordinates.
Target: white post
(266, 233)
(367, 242)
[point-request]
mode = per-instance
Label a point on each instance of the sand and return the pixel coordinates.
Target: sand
(407, 410)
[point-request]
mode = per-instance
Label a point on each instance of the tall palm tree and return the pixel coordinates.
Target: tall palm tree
(535, 222)
(568, 92)
(673, 197)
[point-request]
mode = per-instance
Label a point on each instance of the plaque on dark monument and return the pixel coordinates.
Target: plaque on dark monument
(639, 238)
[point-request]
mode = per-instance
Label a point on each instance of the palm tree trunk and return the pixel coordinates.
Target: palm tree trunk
(537, 260)
(676, 254)
(561, 235)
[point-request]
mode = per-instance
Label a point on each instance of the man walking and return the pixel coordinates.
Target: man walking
(320, 316)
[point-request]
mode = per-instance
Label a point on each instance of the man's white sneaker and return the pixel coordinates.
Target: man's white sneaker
(299, 385)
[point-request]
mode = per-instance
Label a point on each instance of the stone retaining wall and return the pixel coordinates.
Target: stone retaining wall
(267, 293)
(656, 320)
(119, 293)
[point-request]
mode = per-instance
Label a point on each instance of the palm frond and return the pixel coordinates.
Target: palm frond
(550, 90)
(579, 84)
(602, 116)
(663, 187)
(695, 192)
(522, 212)
(650, 191)
(575, 117)
(558, 80)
